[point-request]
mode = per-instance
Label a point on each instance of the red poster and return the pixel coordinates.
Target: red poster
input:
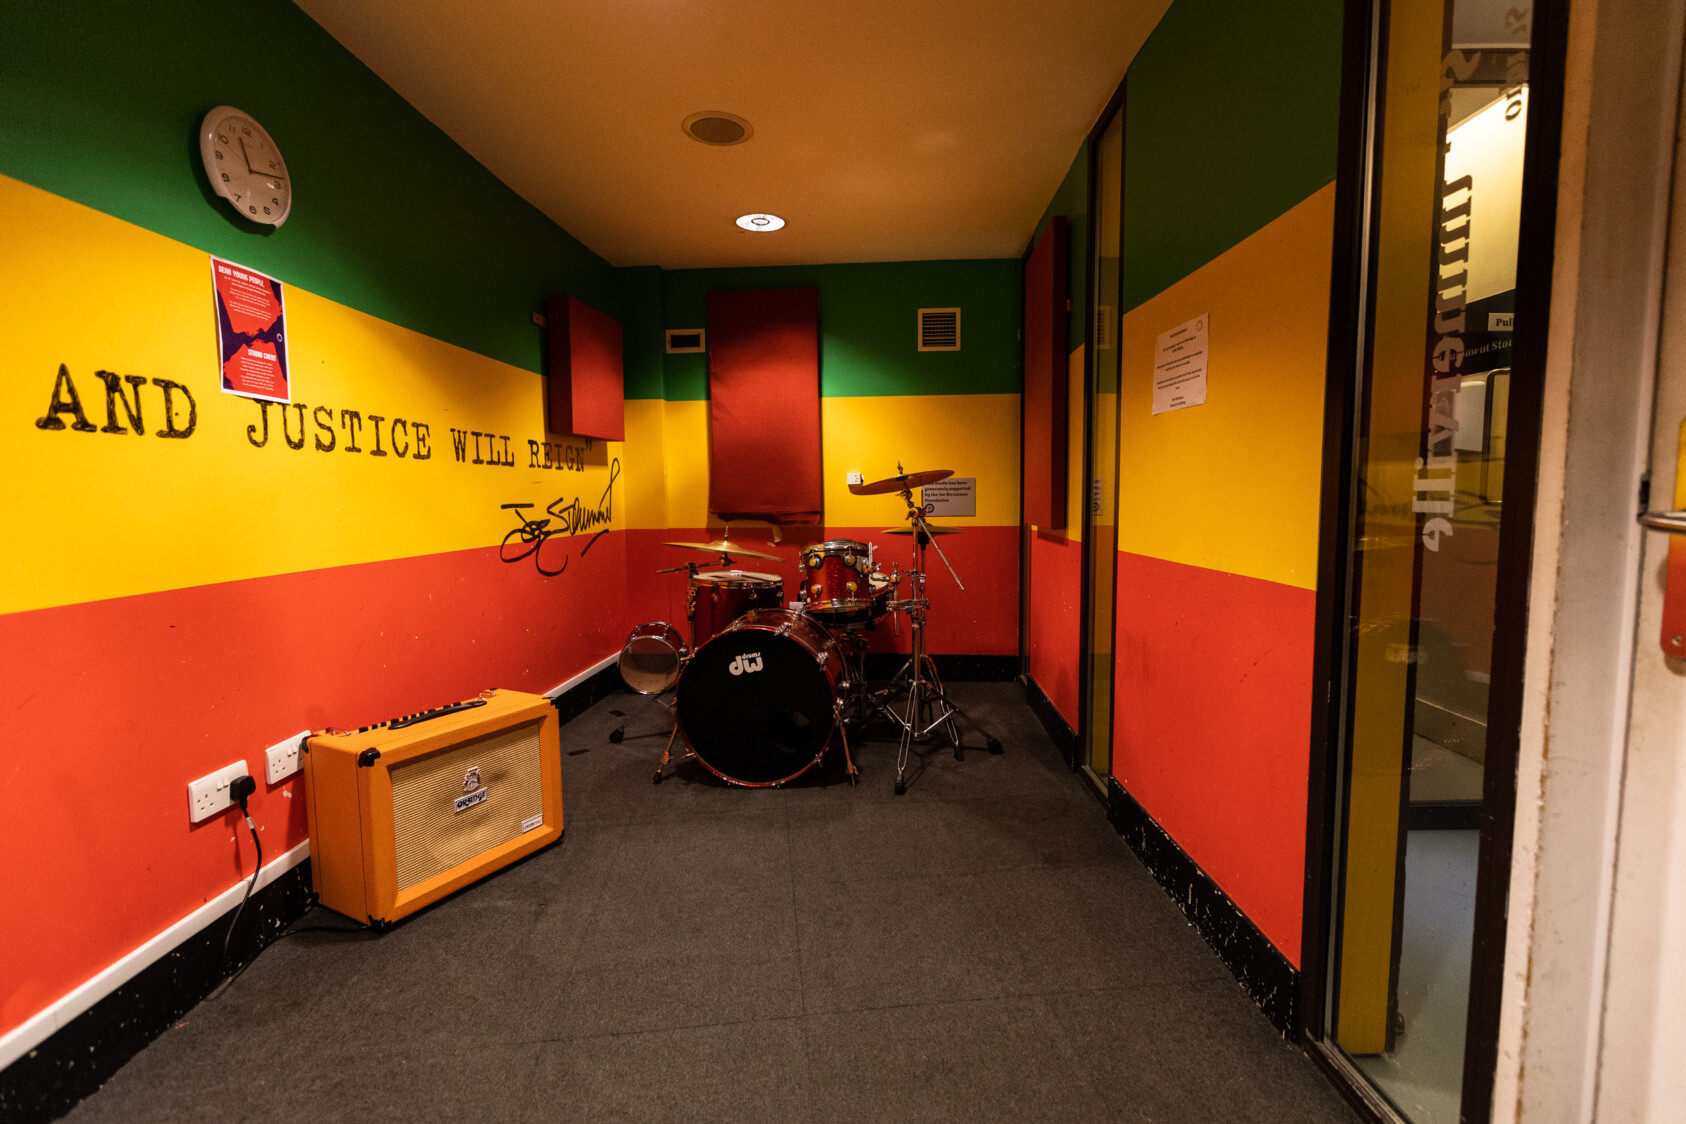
(251, 332)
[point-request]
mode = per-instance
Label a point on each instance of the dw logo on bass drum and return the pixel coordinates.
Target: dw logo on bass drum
(745, 664)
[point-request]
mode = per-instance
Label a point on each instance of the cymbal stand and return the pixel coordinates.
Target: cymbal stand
(928, 705)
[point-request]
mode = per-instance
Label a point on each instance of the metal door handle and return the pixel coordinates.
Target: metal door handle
(1673, 522)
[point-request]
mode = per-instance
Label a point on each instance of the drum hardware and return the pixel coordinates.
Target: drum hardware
(928, 705)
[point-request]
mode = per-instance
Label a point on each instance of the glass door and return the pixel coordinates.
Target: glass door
(1429, 483)
(1100, 509)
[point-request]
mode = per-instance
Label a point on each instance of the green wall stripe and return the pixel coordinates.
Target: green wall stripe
(1232, 109)
(101, 103)
(868, 318)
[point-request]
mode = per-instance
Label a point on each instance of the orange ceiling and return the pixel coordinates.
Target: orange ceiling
(883, 131)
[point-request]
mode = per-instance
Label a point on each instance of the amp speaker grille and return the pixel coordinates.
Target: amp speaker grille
(430, 836)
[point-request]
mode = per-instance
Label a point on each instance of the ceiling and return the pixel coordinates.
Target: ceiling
(884, 130)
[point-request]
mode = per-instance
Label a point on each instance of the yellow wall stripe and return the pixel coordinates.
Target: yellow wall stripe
(92, 515)
(1233, 485)
(974, 434)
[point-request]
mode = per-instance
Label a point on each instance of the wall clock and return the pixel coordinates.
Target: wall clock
(245, 166)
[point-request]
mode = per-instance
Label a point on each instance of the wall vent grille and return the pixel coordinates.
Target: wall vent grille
(683, 341)
(939, 329)
(1103, 327)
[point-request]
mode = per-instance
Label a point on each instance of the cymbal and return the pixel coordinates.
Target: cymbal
(934, 528)
(898, 483)
(726, 546)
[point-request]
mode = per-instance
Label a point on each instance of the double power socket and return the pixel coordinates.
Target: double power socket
(209, 794)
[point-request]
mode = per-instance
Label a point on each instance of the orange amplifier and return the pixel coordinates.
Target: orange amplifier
(406, 812)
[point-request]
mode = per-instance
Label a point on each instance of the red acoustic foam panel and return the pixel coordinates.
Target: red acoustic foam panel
(1045, 379)
(764, 405)
(587, 383)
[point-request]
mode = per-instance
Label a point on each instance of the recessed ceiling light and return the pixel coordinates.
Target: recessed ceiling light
(713, 126)
(762, 223)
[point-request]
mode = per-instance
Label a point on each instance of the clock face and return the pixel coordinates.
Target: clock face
(244, 165)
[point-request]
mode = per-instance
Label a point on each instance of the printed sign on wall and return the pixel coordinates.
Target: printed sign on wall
(958, 495)
(1179, 367)
(251, 332)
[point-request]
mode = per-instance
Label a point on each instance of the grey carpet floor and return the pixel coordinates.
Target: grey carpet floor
(982, 948)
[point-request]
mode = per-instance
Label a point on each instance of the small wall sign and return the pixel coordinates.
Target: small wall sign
(958, 495)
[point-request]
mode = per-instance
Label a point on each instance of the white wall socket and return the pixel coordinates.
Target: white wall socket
(856, 478)
(209, 794)
(282, 758)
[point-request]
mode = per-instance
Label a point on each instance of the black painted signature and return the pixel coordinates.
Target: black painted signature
(565, 517)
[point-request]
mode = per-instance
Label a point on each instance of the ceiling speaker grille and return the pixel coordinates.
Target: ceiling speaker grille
(939, 329)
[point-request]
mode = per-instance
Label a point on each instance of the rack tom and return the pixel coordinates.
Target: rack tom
(719, 597)
(837, 581)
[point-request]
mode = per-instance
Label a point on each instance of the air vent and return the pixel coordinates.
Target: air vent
(939, 329)
(1103, 327)
(681, 341)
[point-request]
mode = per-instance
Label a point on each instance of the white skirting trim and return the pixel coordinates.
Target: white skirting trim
(20, 1040)
(570, 684)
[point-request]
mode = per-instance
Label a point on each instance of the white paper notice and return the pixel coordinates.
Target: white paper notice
(1179, 367)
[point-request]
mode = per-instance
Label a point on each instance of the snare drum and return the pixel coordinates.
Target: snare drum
(757, 703)
(836, 579)
(719, 597)
(651, 658)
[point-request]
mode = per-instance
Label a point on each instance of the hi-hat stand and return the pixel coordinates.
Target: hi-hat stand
(928, 705)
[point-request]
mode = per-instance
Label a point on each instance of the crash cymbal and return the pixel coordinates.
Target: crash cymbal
(898, 483)
(726, 546)
(934, 528)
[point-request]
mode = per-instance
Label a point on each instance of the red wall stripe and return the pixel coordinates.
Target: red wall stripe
(1056, 620)
(108, 709)
(981, 620)
(1212, 724)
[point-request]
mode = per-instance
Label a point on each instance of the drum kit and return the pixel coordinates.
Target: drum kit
(761, 690)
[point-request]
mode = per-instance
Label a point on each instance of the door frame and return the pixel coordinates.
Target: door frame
(1115, 108)
(1359, 147)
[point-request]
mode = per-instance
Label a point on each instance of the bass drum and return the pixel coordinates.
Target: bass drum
(758, 702)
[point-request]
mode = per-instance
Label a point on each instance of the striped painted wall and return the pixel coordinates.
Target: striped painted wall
(1055, 577)
(169, 604)
(1228, 212)
(882, 401)
(172, 604)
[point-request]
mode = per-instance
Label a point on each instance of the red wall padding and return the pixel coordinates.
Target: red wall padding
(764, 405)
(587, 380)
(1045, 379)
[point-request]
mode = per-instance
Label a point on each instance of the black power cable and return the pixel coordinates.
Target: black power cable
(239, 790)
